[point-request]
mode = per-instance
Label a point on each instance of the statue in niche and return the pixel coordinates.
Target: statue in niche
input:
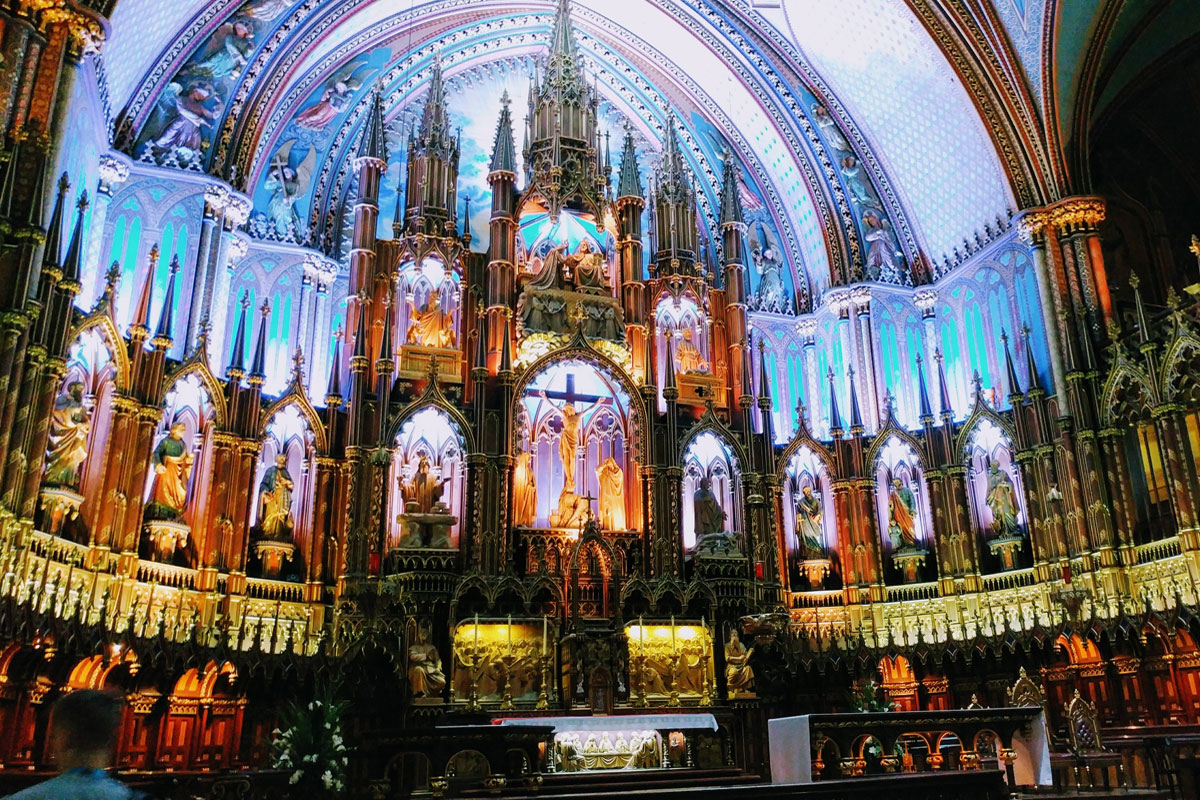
(425, 675)
(612, 495)
(552, 263)
(426, 520)
(172, 469)
(710, 517)
(275, 501)
(902, 516)
(524, 491)
(1002, 500)
(430, 326)
(687, 355)
(422, 492)
(568, 440)
(611, 329)
(591, 273)
(771, 294)
(809, 522)
(69, 425)
(739, 675)
(533, 313)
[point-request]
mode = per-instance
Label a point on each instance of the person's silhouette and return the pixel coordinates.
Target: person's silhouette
(83, 729)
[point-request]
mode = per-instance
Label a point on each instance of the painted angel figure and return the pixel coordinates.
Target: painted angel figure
(190, 110)
(335, 97)
(232, 45)
(902, 516)
(829, 128)
(771, 294)
(285, 184)
(881, 248)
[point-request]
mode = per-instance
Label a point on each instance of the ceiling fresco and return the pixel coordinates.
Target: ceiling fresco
(860, 154)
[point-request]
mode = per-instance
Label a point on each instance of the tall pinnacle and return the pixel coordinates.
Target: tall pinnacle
(164, 330)
(630, 182)
(731, 196)
(373, 143)
(504, 153)
(563, 43)
(237, 359)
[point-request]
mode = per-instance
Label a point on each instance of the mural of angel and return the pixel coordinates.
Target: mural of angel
(852, 172)
(228, 50)
(772, 293)
(881, 248)
(829, 129)
(265, 10)
(335, 97)
(189, 110)
(286, 184)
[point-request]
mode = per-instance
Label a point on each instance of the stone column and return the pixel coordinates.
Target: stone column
(234, 252)
(1032, 226)
(860, 297)
(114, 169)
(817, 423)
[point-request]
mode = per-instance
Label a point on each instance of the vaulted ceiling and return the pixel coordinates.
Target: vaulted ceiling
(927, 114)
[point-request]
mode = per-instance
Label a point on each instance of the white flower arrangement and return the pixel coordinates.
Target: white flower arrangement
(310, 745)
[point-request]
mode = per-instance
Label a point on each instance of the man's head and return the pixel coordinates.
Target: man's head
(808, 491)
(281, 461)
(75, 388)
(84, 728)
(177, 430)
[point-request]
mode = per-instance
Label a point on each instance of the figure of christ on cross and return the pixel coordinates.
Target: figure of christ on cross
(568, 440)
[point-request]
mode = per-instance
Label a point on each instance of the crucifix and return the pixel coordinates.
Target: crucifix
(568, 440)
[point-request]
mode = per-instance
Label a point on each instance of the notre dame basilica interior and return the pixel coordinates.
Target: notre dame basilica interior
(485, 398)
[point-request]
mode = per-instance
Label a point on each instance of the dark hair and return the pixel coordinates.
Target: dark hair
(87, 719)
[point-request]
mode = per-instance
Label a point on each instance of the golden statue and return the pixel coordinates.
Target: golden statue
(69, 425)
(568, 440)
(524, 491)
(590, 270)
(422, 491)
(687, 355)
(431, 326)
(425, 675)
(739, 675)
(612, 495)
(275, 501)
(172, 469)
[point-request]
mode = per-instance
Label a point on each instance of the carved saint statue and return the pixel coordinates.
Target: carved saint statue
(687, 355)
(739, 675)
(422, 491)
(430, 326)
(524, 491)
(172, 469)
(710, 518)
(568, 440)
(1002, 500)
(69, 425)
(590, 270)
(612, 495)
(547, 277)
(275, 501)
(809, 518)
(425, 675)
(902, 516)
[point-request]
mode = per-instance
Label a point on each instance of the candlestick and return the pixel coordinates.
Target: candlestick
(476, 634)
(672, 633)
(510, 634)
(544, 634)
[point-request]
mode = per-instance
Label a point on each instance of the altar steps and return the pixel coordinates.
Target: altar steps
(732, 784)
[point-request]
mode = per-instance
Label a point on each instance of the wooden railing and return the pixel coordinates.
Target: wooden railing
(1009, 580)
(912, 591)
(264, 589)
(1157, 551)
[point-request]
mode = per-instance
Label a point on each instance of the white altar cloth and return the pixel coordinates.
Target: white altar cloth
(623, 722)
